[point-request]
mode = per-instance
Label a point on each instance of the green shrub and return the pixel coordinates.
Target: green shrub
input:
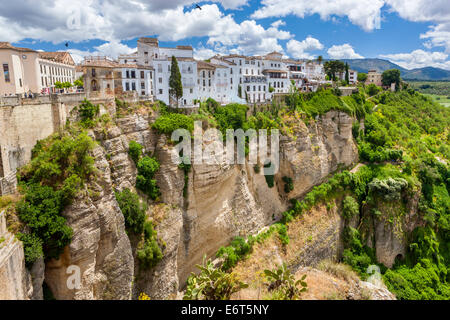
(283, 285)
(132, 209)
(135, 151)
(288, 184)
(372, 89)
(41, 210)
(32, 246)
(149, 254)
(350, 208)
(88, 112)
(147, 167)
(238, 249)
(168, 123)
(211, 284)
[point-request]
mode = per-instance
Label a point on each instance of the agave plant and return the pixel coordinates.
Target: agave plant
(212, 283)
(282, 283)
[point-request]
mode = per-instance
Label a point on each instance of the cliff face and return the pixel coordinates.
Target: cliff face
(223, 201)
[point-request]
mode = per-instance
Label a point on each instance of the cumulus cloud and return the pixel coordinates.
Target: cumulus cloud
(299, 49)
(114, 20)
(364, 13)
(109, 49)
(344, 51)
(419, 59)
(436, 11)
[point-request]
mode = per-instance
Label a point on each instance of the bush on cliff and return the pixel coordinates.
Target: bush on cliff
(147, 167)
(132, 209)
(149, 252)
(169, 122)
(135, 151)
(59, 166)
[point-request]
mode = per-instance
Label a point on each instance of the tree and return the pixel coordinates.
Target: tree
(347, 74)
(391, 76)
(320, 59)
(79, 82)
(175, 85)
(332, 68)
(362, 77)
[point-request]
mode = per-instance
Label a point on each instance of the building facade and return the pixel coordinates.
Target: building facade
(25, 70)
(374, 77)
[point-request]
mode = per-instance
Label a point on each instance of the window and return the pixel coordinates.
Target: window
(142, 93)
(20, 83)
(127, 86)
(209, 82)
(133, 86)
(191, 91)
(128, 74)
(142, 85)
(6, 72)
(204, 82)
(160, 91)
(142, 74)
(160, 80)
(133, 74)
(93, 72)
(248, 88)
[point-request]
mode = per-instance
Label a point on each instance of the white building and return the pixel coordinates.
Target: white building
(231, 78)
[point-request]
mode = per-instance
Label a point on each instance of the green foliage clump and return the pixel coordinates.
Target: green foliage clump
(169, 122)
(147, 167)
(135, 151)
(357, 255)
(350, 207)
(149, 252)
(41, 210)
(60, 164)
(88, 112)
(282, 284)
(236, 251)
(288, 184)
(372, 89)
(132, 209)
(232, 116)
(33, 247)
(212, 284)
(390, 189)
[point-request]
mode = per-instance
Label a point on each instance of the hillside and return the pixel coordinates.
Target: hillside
(427, 73)
(359, 189)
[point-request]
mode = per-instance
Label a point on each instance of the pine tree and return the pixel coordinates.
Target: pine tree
(175, 85)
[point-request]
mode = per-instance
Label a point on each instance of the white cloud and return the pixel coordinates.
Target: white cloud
(247, 37)
(278, 23)
(419, 59)
(344, 51)
(110, 49)
(114, 20)
(203, 53)
(439, 36)
(298, 49)
(364, 13)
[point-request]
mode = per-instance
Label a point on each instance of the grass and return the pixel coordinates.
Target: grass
(443, 100)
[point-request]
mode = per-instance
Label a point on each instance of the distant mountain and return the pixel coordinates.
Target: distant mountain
(427, 73)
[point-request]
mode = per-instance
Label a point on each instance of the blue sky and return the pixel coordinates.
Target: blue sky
(412, 33)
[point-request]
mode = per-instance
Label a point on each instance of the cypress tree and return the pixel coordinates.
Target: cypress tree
(175, 85)
(347, 74)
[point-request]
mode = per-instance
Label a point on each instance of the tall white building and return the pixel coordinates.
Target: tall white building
(231, 78)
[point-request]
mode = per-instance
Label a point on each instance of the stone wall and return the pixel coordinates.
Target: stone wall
(22, 123)
(15, 281)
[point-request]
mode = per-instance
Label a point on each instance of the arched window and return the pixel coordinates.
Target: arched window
(94, 85)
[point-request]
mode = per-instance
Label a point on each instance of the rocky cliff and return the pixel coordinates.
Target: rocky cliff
(222, 201)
